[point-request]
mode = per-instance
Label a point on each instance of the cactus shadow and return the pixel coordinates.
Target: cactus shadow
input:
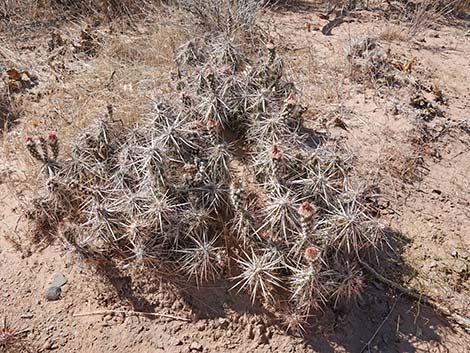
(381, 319)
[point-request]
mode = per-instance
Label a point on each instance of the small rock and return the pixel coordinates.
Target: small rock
(177, 306)
(222, 323)
(454, 253)
(201, 326)
(177, 328)
(50, 345)
(59, 280)
(179, 343)
(52, 293)
(460, 267)
(195, 347)
(260, 335)
(433, 264)
(46, 346)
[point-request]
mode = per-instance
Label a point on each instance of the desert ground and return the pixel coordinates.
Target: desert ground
(407, 124)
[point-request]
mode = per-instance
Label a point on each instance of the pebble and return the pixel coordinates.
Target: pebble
(201, 326)
(454, 253)
(195, 347)
(59, 280)
(50, 345)
(222, 323)
(52, 293)
(260, 335)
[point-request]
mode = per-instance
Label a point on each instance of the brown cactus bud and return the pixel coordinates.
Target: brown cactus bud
(276, 152)
(211, 124)
(53, 142)
(306, 210)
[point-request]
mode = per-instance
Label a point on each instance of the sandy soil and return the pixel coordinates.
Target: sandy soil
(421, 168)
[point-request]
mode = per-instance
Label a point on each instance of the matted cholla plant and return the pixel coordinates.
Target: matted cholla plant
(225, 184)
(10, 338)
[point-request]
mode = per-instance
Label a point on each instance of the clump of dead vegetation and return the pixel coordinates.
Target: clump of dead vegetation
(371, 63)
(221, 182)
(107, 9)
(420, 16)
(9, 109)
(225, 16)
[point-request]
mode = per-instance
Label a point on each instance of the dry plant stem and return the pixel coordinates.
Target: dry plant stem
(367, 345)
(462, 321)
(131, 312)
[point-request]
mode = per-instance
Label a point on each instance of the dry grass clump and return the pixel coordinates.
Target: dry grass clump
(370, 63)
(9, 110)
(427, 12)
(110, 8)
(102, 9)
(226, 16)
(124, 72)
(419, 16)
(462, 6)
(223, 182)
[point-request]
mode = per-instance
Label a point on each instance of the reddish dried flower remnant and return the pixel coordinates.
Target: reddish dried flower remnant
(52, 136)
(270, 45)
(7, 336)
(53, 142)
(276, 152)
(211, 124)
(290, 100)
(311, 253)
(306, 210)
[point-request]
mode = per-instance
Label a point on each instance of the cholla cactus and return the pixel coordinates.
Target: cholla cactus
(203, 260)
(259, 274)
(143, 246)
(307, 288)
(33, 149)
(212, 127)
(53, 143)
(295, 321)
(218, 161)
(307, 213)
(349, 283)
(351, 229)
(280, 215)
(172, 192)
(43, 144)
(277, 159)
(9, 337)
(39, 150)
